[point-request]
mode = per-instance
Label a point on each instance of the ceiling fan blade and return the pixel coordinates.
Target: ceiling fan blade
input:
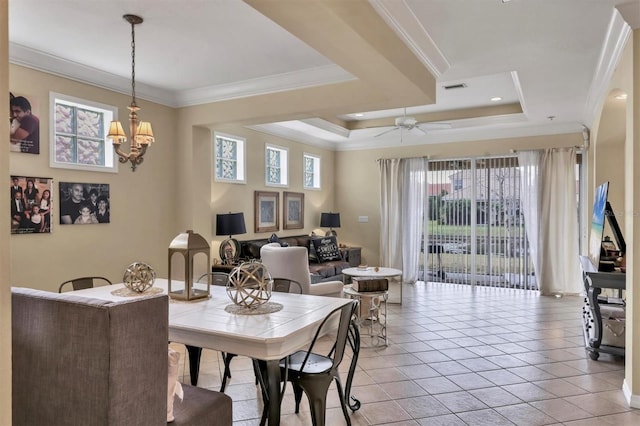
(386, 131)
(416, 130)
(434, 126)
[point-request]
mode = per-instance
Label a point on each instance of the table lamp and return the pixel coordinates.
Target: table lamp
(230, 224)
(330, 220)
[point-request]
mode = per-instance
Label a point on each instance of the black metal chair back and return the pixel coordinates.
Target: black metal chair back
(83, 283)
(313, 373)
(285, 285)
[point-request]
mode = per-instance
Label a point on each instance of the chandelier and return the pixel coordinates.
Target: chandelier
(140, 131)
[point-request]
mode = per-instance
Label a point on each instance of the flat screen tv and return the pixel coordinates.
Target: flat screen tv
(602, 210)
(597, 223)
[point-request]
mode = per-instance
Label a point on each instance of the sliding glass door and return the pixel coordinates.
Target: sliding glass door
(476, 231)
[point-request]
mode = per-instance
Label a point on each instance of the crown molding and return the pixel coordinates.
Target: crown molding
(311, 77)
(618, 34)
(294, 135)
(456, 135)
(327, 126)
(40, 61)
(401, 19)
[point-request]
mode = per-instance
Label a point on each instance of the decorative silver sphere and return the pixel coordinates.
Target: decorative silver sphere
(249, 285)
(139, 277)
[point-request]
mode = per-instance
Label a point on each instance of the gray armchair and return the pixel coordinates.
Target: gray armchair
(83, 361)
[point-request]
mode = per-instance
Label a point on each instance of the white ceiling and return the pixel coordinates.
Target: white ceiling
(545, 58)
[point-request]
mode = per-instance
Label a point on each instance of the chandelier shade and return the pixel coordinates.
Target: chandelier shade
(140, 131)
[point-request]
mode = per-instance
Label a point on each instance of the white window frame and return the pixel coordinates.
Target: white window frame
(110, 113)
(284, 165)
(241, 158)
(316, 171)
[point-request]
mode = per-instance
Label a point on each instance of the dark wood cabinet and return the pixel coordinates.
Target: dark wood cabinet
(220, 267)
(352, 255)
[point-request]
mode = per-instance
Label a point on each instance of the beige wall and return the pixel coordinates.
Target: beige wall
(612, 157)
(143, 211)
(230, 197)
(172, 191)
(357, 180)
(5, 294)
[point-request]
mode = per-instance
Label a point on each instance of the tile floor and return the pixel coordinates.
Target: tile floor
(462, 356)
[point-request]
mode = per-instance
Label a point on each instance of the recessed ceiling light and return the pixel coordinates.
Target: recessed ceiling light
(621, 96)
(359, 114)
(496, 99)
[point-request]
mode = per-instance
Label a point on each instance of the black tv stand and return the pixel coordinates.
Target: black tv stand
(592, 316)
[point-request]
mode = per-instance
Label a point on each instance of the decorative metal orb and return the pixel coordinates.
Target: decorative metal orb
(249, 285)
(139, 277)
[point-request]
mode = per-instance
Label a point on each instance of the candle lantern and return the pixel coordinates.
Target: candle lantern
(189, 244)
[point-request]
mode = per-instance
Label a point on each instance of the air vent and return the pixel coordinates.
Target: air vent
(455, 86)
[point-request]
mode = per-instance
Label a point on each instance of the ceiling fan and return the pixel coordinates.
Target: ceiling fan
(410, 124)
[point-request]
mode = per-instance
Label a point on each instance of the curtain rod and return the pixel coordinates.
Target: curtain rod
(425, 157)
(578, 147)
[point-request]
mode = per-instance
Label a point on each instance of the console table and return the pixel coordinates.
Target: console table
(594, 283)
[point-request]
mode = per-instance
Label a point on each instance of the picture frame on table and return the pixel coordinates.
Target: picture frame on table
(267, 211)
(293, 210)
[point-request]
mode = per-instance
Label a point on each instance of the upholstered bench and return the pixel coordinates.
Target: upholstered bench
(84, 361)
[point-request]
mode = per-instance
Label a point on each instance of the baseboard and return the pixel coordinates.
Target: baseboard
(632, 400)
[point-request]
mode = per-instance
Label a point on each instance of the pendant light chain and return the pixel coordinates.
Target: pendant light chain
(141, 134)
(133, 63)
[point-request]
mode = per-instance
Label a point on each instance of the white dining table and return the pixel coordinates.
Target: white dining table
(269, 337)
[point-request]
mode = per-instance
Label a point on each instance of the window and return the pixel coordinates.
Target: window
(277, 160)
(311, 171)
(78, 139)
(229, 158)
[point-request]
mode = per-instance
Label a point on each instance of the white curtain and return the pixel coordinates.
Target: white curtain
(390, 213)
(414, 204)
(530, 164)
(551, 218)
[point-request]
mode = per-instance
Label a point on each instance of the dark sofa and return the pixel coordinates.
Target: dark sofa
(320, 271)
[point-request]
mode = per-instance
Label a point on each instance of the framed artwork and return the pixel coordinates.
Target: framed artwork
(293, 207)
(24, 126)
(31, 205)
(84, 203)
(266, 211)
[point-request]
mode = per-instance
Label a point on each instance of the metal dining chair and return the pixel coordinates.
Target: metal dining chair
(84, 282)
(195, 352)
(313, 373)
(286, 285)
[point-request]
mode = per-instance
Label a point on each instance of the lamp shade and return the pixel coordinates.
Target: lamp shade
(230, 224)
(330, 220)
(144, 134)
(116, 131)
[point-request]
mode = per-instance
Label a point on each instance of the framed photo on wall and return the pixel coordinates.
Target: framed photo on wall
(84, 203)
(267, 211)
(31, 204)
(24, 125)
(293, 210)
